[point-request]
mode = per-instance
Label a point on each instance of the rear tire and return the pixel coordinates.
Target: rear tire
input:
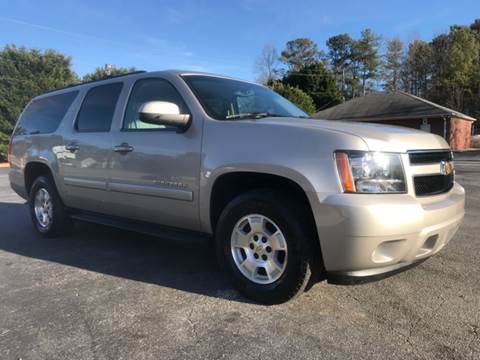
(46, 208)
(244, 250)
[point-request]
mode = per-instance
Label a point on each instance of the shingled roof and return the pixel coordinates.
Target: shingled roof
(388, 106)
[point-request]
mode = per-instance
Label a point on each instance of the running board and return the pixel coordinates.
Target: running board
(161, 231)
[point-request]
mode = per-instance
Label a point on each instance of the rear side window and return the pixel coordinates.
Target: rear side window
(43, 116)
(97, 110)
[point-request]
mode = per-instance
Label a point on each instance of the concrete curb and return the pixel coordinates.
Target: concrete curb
(4, 165)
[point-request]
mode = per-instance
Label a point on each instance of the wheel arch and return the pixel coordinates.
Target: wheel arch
(229, 183)
(34, 169)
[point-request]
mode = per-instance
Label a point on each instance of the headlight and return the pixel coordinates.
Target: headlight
(370, 172)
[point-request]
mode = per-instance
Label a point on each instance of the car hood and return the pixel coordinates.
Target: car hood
(377, 137)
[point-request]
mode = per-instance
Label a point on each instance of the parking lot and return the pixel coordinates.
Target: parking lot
(102, 293)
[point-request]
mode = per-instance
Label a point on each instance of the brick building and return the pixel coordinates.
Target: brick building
(402, 109)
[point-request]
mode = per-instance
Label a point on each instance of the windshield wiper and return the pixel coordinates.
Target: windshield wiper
(252, 115)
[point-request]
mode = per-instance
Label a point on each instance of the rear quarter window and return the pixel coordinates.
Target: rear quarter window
(43, 116)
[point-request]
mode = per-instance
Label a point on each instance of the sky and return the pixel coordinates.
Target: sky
(216, 36)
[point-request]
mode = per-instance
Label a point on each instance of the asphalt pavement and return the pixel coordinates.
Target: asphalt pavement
(102, 293)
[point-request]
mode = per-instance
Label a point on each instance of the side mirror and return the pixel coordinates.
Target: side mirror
(164, 113)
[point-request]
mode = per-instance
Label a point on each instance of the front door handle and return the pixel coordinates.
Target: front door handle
(72, 147)
(123, 148)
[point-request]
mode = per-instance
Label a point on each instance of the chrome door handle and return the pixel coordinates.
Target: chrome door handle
(123, 148)
(72, 147)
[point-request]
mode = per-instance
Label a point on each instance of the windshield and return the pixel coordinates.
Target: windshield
(226, 99)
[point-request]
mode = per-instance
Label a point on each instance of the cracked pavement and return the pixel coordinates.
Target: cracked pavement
(102, 293)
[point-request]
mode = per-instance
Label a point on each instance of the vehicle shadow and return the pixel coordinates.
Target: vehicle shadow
(188, 265)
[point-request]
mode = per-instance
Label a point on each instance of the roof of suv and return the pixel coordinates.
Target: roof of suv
(134, 73)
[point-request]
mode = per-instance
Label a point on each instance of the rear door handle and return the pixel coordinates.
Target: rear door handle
(123, 148)
(72, 147)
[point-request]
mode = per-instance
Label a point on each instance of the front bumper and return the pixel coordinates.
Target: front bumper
(365, 276)
(366, 234)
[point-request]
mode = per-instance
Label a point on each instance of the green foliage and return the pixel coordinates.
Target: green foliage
(295, 95)
(366, 53)
(339, 55)
(355, 63)
(318, 82)
(299, 53)
(439, 46)
(456, 69)
(3, 147)
(462, 65)
(105, 72)
(392, 65)
(24, 74)
(339, 50)
(475, 26)
(418, 68)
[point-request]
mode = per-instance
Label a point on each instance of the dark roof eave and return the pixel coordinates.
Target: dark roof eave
(412, 117)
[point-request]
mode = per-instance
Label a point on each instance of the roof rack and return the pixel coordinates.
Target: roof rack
(94, 81)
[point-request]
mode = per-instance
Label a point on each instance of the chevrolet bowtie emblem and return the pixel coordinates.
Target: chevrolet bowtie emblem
(446, 167)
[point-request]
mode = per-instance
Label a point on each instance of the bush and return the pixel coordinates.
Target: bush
(4, 139)
(295, 95)
(24, 74)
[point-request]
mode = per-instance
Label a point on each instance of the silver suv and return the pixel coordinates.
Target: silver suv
(288, 199)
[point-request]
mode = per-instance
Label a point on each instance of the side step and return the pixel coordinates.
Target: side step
(165, 232)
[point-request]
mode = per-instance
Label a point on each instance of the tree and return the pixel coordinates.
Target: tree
(392, 65)
(299, 53)
(462, 66)
(368, 58)
(439, 59)
(352, 85)
(107, 71)
(339, 55)
(418, 68)
(474, 103)
(24, 74)
(318, 82)
(475, 26)
(295, 95)
(266, 65)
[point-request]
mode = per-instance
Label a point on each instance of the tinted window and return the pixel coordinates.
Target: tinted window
(227, 99)
(44, 115)
(146, 90)
(97, 110)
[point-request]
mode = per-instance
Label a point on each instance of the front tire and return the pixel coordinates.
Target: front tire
(46, 208)
(265, 246)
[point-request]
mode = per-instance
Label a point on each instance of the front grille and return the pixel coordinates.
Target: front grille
(432, 157)
(426, 185)
(432, 184)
